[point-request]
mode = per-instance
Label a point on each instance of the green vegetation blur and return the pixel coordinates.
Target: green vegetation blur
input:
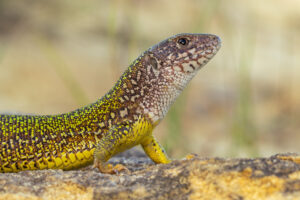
(56, 56)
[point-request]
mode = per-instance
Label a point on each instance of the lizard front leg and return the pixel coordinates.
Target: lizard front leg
(155, 151)
(113, 142)
(124, 136)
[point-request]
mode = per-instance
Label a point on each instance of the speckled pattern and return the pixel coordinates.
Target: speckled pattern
(121, 119)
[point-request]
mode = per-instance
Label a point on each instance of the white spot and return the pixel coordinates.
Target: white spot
(134, 97)
(209, 51)
(194, 56)
(133, 82)
(192, 51)
(138, 76)
(187, 67)
(170, 56)
(148, 69)
(201, 60)
(121, 99)
(181, 55)
(177, 68)
(184, 54)
(124, 112)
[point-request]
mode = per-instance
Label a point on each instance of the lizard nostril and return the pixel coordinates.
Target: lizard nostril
(214, 37)
(215, 40)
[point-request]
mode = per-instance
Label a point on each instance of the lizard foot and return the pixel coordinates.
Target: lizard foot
(190, 156)
(110, 169)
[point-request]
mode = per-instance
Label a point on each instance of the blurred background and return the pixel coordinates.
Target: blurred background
(56, 56)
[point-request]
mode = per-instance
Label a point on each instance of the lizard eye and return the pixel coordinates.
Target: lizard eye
(182, 41)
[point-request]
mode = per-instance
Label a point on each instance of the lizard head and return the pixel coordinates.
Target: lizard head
(183, 55)
(164, 70)
(177, 59)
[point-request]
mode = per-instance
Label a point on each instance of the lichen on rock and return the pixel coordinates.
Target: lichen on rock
(276, 177)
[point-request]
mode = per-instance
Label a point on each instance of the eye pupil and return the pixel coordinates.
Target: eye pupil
(182, 41)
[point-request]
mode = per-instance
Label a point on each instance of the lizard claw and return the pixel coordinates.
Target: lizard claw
(110, 169)
(120, 168)
(190, 156)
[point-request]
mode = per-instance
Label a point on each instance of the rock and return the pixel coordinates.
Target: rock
(276, 177)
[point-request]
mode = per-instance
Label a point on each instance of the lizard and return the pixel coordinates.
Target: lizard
(124, 117)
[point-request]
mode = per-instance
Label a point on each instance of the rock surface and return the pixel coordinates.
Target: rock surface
(276, 177)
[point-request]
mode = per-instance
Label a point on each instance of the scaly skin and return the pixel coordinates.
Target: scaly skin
(123, 118)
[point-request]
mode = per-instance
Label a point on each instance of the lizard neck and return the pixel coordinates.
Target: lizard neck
(140, 91)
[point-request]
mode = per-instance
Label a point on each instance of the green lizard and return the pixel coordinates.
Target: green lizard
(121, 119)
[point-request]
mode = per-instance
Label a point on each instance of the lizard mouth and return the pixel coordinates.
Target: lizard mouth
(218, 45)
(216, 41)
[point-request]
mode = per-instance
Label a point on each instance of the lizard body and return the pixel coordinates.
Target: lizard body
(121, 119)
